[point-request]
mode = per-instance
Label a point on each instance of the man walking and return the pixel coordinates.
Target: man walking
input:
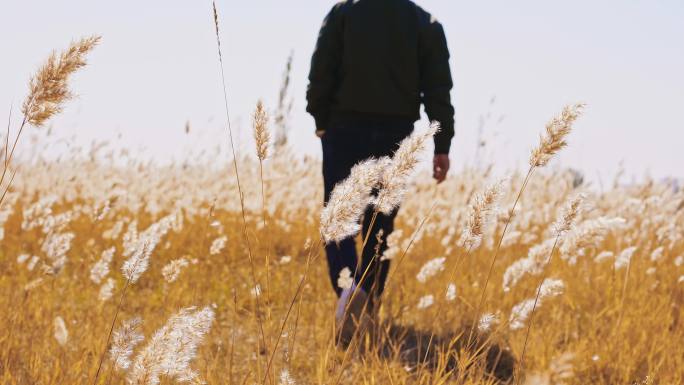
(375, 62)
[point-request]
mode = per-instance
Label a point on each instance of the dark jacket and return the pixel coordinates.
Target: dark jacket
(381, 59)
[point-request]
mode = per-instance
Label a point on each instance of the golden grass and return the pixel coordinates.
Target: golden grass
(582, 322)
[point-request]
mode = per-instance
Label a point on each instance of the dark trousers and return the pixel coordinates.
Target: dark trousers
(345, 143)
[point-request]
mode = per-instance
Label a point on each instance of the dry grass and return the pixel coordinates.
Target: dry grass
(99, 203)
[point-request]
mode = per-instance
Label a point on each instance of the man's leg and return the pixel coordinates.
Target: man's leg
(338, 160)
(385, 139)
(375, 270)
(343, 147)
(340, 256)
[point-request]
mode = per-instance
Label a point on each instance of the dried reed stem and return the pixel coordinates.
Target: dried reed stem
(298, 291)
(623, 295)
(237, 178)
(9, 124)
(534, 307)
(111, 330)
(262, 138)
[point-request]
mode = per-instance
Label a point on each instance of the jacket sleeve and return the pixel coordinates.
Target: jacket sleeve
(436, 83)
(325, 64)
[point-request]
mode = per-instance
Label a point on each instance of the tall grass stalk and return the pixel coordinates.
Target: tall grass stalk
(623, 295)
(202, 245)
(111, 330)
(262, 138)
(296, 295)
(9, 126)
(521, 367)
(241, 195)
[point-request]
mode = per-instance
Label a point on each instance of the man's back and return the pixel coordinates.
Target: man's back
(379, 63)
(381, 58)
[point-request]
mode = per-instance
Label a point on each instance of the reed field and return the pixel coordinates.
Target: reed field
(118, 271)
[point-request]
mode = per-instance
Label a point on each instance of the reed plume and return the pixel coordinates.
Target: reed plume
(60, 331)
(486, 321)
(450, 292)
(624, 258)
(395, 177)
(106, 290)
(523, 310)
(556, 132)
(101, 268)
(569, 216)
(262, 136)
(137, 264)
(430, 269)
(139, 248)
(588, 234)
(345, 279)
(49, 87)
(124, 340)
(173, 269)
(480, 211)
(348, 201)
(172, 348)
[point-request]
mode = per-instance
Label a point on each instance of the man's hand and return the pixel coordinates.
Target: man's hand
(320, 133)
(440, 167)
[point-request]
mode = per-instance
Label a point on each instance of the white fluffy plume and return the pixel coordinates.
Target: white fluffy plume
(520, 313)
(124, 340)
(348, 201)
(139, 248)
(395, 177)
(172, 348)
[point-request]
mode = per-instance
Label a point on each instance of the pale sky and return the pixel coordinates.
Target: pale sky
(157, 69)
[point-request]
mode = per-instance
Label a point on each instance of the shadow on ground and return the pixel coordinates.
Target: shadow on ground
(420, 348)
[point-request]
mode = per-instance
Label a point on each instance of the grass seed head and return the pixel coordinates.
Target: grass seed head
(124, 340)
(49, 88)
(348, 201)
(60, 331)
(172, 348)
(569, 216)
(345, 280)
(553, 139)
(480, 213)
(262, 136)
(396, 175)
(173, 269)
